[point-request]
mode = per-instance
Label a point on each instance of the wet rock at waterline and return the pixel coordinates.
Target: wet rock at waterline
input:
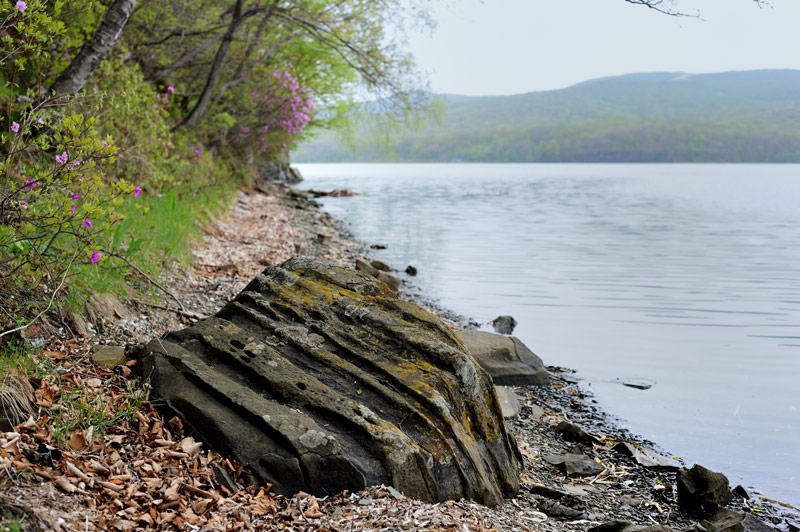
(319, 379)
(378, 270)
(701, 490)
(504, 324)
(506, 359)
(380, 265)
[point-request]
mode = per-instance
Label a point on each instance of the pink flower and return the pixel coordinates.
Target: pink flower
(72, 210)
(86, 223)
(21, 6)
(23, 204)
(95, 257)
(170, 89)
(29, 183)
(137, 191)
(40, 122)
(62, 158)
(14, 127)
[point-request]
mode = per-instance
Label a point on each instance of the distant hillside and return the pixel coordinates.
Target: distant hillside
(751, 116)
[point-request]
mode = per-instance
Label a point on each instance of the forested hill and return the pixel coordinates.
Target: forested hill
(751, 116)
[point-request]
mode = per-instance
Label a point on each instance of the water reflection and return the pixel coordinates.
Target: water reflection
(686, 275)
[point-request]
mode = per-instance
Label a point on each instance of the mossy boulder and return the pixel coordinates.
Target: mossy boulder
(319, 379)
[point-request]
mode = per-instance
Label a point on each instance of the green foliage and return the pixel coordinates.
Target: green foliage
(54, 207)
(100, 190)
(153, 241)
(17, 358)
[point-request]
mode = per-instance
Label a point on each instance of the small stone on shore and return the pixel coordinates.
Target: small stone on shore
(108, 356)
(380, 265)
(504, 324)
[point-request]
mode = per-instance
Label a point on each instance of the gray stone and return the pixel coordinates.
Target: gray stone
(701, 490)
(537, 412)
(224, 479)
(108, 356)
(380, 265)
(725, 520)
(319, 379)
(504, 324)
(574, 433)
(574, 465)
(627, 526)
(391, 281)
(509, 403)
(365, 267)
(293, 175)
(557, 510)
(507, 359)
(646, 456)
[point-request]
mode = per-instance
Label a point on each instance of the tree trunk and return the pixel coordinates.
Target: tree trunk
(96, 49)
(216, 68)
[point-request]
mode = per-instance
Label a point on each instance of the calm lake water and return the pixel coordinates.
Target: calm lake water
(684, 276)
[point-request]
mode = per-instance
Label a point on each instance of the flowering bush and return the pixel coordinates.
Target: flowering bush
(273, 110)
(55, 199)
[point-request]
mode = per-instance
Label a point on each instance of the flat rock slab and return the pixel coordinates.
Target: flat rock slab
(574, 465)
(108, 356)
(509, 402)
(319, 379)
(507, 359)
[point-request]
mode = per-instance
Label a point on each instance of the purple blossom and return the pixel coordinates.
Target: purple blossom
(74, 196)
(137, 191)
(95, 257)
(21, 6)
(62, 158)
(29, 183)
(170, 89)
(72, 209)
(14, 127)
(86, 223)
(40, 122)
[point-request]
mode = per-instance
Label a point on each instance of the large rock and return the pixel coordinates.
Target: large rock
(508, 361)
(701, 490)
(319, 379)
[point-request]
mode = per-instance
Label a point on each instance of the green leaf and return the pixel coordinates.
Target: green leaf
(134, 246)
(119, 232)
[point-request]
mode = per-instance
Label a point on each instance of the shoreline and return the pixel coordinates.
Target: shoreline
(571, 394)
(269, 226)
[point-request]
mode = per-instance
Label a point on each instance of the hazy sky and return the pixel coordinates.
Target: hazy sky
(515, 46)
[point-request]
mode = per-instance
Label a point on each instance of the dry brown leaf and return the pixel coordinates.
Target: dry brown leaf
(189, 446)
(171, 493)
(123, 524)
(77, 441)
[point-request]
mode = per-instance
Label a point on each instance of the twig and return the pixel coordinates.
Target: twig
(170, 294)
(49, 304)
(187, 313)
